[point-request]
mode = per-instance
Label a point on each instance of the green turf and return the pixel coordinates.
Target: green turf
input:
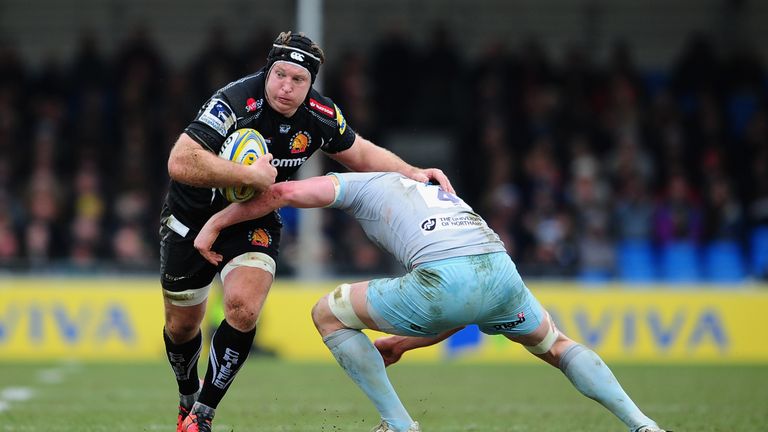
(271, 395)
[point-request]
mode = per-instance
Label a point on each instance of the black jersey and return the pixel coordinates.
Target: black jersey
(317, 125)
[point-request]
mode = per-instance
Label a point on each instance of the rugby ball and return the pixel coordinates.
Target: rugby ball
(244, 146)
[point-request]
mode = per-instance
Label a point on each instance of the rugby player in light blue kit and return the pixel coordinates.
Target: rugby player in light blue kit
(458, 274)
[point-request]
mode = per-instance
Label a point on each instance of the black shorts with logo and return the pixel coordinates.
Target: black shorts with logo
(183, 268)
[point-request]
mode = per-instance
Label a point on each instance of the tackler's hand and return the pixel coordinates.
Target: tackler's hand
(389, 349)
(435, 175)
(204, 242)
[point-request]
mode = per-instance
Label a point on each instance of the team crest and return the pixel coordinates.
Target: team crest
(260, 237)
(300, 142)
(284, 128)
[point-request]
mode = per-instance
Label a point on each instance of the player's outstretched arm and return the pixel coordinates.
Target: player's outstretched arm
(312, 192)
(392, 348)
(365, 156)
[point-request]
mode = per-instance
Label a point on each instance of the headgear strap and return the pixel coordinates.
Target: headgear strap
(298, 50)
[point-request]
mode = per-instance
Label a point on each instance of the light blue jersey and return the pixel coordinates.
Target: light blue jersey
(413, 221)
(459, 272)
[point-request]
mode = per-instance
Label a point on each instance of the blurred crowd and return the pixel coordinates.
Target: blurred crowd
(567, 158)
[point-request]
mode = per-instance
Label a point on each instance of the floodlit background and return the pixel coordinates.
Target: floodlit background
(601, 139)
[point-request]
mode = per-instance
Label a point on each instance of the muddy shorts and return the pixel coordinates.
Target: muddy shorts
(441, 295)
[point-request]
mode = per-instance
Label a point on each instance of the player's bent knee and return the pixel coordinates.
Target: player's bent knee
(180, 333)
(320, 311)
(340, 305)
(250, 259)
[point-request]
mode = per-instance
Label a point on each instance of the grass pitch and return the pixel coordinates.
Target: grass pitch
(271, 395)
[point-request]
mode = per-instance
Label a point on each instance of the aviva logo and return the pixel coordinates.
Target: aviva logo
(45, 323)
(85, 323)
(635, 330)
(647, 326)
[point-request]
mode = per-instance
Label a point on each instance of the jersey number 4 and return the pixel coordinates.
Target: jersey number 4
(435, 197)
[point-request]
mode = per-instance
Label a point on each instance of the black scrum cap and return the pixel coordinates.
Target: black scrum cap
(298, 50)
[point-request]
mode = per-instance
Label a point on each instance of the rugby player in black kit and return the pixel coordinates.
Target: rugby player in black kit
(296, 121)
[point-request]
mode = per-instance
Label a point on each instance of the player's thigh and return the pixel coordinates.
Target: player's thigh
(250, 251)
(510, 307)
(359, 298)
(345, 306)
(185, 276)
(408, 306)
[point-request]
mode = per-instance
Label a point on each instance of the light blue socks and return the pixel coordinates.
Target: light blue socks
(362, 362)
(590, 375)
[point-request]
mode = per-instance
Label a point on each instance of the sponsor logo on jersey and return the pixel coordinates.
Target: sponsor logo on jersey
(340, 120)
(300, 141)
(284, 128)
(218, 115)
(450, 222)
(252, 104)
(429, 224)
(317, 106)
(288, 163)
(260, 237)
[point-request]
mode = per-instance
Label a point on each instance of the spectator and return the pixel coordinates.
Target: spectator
(678, 214)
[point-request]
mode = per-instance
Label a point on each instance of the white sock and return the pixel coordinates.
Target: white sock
(592, 377)
(362, 362)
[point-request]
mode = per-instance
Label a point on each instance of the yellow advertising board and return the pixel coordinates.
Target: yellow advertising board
(121, 319)
(659, 325)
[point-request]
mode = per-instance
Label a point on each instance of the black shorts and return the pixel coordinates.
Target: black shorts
(183, 268)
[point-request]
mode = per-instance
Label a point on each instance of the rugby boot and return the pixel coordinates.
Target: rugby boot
(385, 427)
(185, 406)
(183, 413)
(196, 422)
(649, 429)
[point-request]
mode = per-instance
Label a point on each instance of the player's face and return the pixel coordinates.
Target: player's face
(287, 87)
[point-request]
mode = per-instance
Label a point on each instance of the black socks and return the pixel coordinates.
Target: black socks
(229, 349)
(183, 359)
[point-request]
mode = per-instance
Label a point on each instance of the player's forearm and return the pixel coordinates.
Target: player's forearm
(384, 160)
(365, 156)
(191, 164)
(310, 193)
(230, 215)
(313, 192)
